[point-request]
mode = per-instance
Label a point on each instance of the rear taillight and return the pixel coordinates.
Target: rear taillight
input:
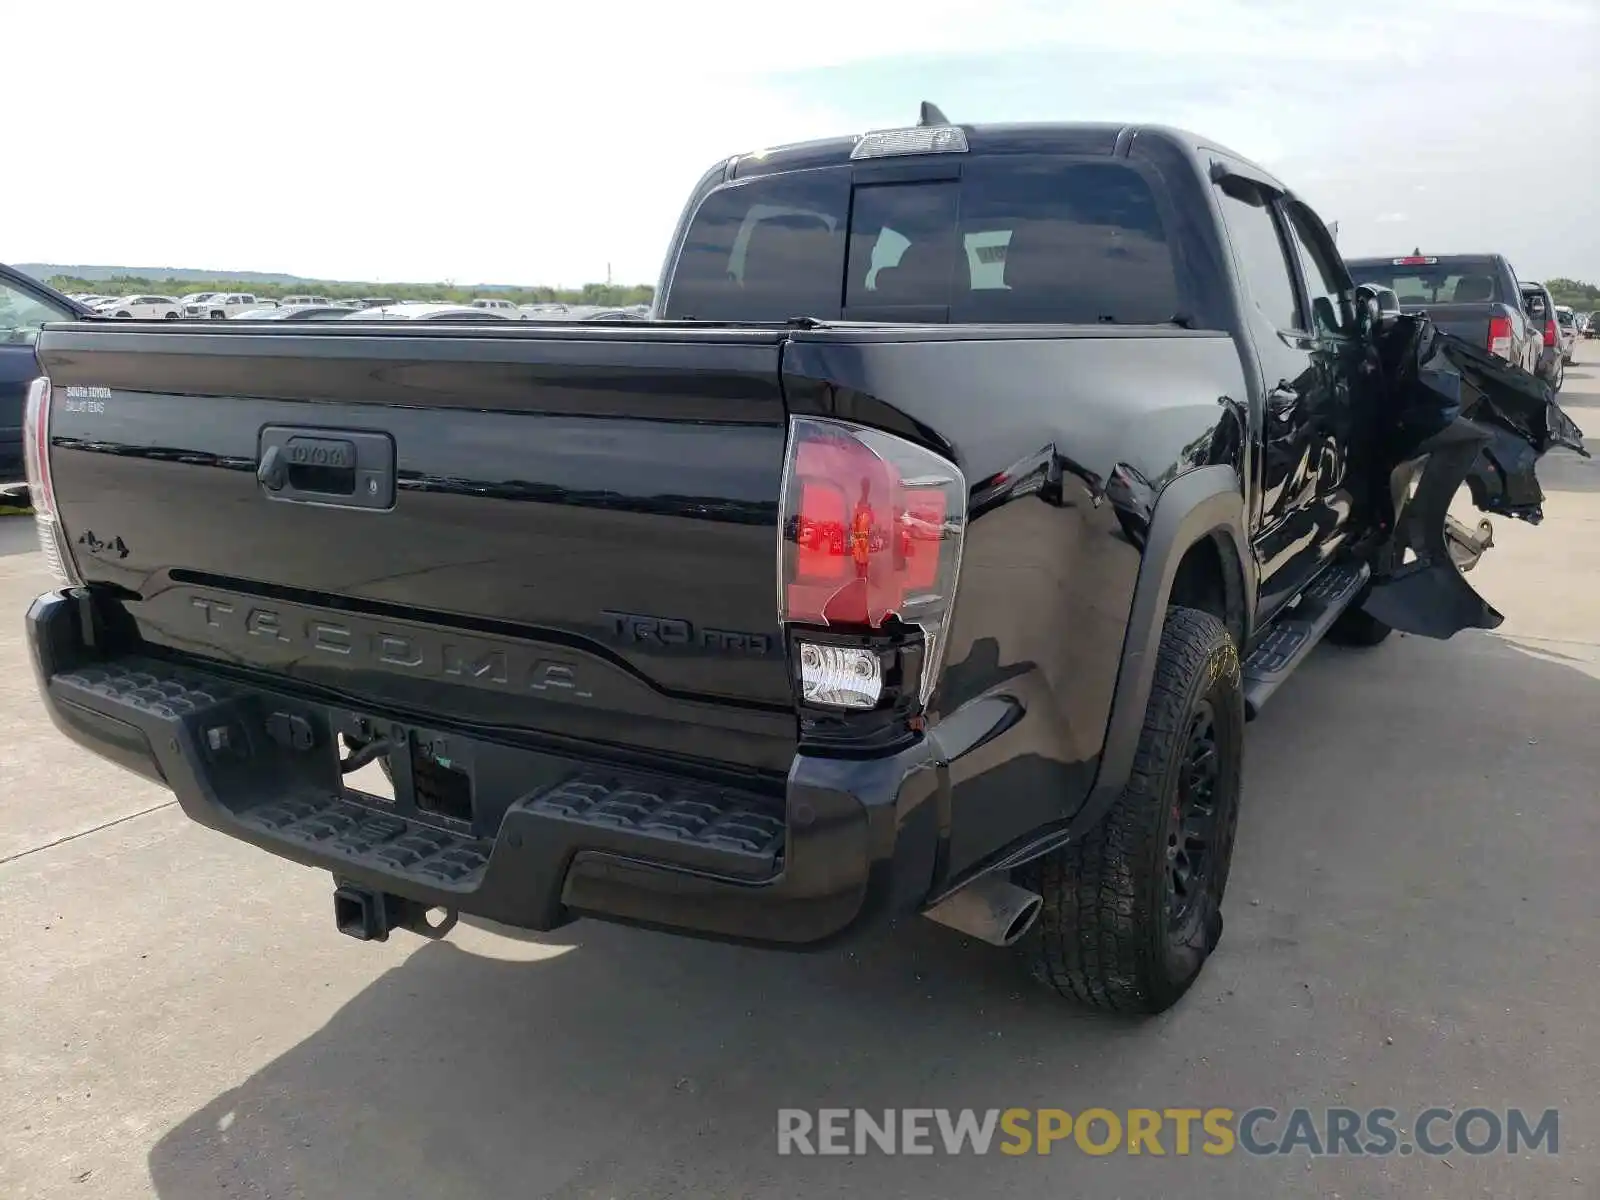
(41, 492)
(1500, 337)
(869, 544)
(1549, 333)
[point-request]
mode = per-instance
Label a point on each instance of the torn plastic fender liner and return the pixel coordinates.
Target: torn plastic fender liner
(1418, 587)
(1518, 411)
(1457, 414)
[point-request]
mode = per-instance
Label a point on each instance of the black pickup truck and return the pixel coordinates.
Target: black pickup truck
(1476, 297)
(927, 553)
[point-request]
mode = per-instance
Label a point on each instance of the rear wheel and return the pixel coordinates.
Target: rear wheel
(125, 313)
(171, 316)
(1133, 910)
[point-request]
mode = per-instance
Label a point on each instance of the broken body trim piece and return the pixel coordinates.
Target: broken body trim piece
(1478, 421)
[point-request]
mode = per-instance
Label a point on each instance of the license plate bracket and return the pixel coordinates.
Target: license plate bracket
(431, 773)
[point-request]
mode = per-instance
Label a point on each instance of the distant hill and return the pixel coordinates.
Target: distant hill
(102, 274)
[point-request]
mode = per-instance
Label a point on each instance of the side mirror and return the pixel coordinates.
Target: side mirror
(1378, 305)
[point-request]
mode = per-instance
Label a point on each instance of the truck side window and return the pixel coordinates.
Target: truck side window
(21, 316)
(765, 250)
(1324, 286)
(1253, 230)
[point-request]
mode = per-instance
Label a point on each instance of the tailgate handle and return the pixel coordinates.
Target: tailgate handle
(342, 468)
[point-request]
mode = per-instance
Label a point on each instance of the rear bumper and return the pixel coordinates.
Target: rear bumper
(549, 837)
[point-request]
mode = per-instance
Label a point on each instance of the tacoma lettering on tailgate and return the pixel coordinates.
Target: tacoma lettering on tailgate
(367, 643)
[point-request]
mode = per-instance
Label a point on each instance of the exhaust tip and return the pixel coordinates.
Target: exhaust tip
(991, 909)
(1024, 920)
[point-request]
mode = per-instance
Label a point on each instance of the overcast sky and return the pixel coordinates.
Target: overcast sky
(538, 142)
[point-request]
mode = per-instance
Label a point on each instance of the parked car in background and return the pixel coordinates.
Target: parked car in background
(221, 305)
(426, 310)
(196, 298)
(25, 305)
(504, 308)
(1541, 310)
(1567, 332)
(1474, 296)
(294, 312)
(303, 301)
(141, 308)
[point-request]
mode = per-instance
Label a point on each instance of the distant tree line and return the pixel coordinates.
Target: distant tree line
(1574, 293)
(599, 294)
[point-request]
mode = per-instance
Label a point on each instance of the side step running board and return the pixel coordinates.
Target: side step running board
(1294, 634)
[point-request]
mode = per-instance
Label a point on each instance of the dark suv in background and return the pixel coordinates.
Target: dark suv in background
(1474, 296)
(25, 305)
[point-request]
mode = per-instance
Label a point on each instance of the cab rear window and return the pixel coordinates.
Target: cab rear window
(1458, 280)
(1016, 239)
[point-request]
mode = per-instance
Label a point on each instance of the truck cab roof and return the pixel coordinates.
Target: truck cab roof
(1037, 137)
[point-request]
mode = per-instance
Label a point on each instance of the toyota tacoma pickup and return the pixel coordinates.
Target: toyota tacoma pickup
(927, 552)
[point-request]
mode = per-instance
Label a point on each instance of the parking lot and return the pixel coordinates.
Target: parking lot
(1413, 919)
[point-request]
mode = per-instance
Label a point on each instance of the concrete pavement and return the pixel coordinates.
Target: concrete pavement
(1413, 919)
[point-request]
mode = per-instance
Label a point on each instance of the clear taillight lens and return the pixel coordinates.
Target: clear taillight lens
(41, 493)
(871, 527)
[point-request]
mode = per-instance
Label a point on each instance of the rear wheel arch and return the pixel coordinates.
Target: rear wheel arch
(1199, 514)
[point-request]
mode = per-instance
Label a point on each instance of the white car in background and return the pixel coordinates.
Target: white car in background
(217, 306)
(141, 308)
(502, 307)
(305, 301)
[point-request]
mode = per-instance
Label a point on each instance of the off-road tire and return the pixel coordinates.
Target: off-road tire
(1105, 936)
(1354, 627)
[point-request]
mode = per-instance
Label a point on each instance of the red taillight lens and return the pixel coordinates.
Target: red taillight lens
(1500, 336)
(1549, 333)
(871, 526)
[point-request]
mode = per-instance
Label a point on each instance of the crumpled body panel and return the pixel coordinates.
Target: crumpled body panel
(1456, 414)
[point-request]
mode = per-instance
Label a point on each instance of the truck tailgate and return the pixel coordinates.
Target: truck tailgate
(1469, 322)
(568, 531)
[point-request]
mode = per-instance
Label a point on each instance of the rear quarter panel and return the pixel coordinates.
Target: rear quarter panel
(1066, 442)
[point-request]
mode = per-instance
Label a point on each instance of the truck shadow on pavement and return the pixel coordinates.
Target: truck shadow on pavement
(633, 1064)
